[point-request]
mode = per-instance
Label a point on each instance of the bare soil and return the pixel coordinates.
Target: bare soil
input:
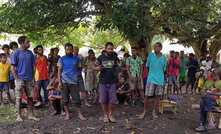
(184, 122)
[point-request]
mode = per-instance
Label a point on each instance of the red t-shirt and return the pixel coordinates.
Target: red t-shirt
(41, 72)
(145, 72)
(173, 71)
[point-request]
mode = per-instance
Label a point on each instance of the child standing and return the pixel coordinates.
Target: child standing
(135, 71)
(4, 79)
(55, 99)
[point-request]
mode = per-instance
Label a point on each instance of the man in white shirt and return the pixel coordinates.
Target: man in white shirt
(207, 64)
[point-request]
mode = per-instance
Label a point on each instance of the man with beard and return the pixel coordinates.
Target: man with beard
(210, 97)
(41, 74)
(80, 80)
(68, 66)
(106, 64)
(23, 62)
(156, 65)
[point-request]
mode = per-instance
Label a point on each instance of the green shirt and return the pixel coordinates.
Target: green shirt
(134, 66)
(217, 85)
(182, 69)
(216, 64)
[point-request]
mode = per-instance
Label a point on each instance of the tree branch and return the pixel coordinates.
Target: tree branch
(80, 15)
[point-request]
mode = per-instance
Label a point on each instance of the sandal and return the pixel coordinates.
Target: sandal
(211, 127)
(200, 129)
(113, 120)
(105, 120)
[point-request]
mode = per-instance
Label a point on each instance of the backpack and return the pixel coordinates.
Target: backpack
(175, 66)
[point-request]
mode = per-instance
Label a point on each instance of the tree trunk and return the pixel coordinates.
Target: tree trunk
(144, 47)
(199, 48)
(214, 49)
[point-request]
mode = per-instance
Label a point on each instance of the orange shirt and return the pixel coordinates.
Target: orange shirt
(41, 72)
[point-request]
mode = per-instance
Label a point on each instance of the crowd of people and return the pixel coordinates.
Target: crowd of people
(130, 80)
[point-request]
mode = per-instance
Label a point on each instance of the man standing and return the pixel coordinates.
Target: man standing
(192, 65)
(174, 65)
(106, 64)
(156, 65)
(68, 66)
(182, 71)
(41, 74)
(22, 62)
(80, 81)
(207, 64)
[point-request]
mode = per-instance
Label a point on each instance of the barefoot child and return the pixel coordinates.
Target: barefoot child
(201, 79)
(55, 99)
(4, 79)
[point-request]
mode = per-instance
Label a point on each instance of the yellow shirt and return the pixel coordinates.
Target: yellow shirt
(4, 72)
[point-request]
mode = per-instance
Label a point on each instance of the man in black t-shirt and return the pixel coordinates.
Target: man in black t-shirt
(123, 91)
(106, 64)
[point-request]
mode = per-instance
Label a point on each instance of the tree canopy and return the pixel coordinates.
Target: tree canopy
(194, 23)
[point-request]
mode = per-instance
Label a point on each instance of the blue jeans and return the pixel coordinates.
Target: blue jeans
(42, 84)
(206, 105)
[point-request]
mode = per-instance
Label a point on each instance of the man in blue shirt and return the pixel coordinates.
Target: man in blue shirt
(22, 62)
(156, 65)
(192, 65)
(80, 81)
(68, 67)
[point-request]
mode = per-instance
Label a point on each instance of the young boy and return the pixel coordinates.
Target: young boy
(55, 99)
(135, 71)
(123, 91)
(13, 46)
(200, 80)
(4, 79)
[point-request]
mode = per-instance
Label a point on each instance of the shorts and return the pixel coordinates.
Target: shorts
(152, 89)
(71, 89)
(27, 86)
(107, 93)
(136, 84)
(172, 80)
(182, 77)
(3, 86)
(121, 97)
(191, 80)
(80, 83)
(12, 84)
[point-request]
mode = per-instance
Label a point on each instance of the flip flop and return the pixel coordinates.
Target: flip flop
(105, 120)
(113, 120)
(200, 129)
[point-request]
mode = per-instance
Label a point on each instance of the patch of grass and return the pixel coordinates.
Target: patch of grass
(8, 114)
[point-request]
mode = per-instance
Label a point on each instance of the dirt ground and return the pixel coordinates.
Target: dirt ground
(184, 122)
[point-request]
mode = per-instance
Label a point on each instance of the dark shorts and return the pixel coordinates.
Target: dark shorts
(172, 80)
(80, 83)
(107, 93)
(71, 89)
(191, 80)
(121, 97)
(12, 84)
(3, 86)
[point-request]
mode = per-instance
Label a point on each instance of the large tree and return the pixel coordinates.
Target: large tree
(137, 20)
(202, 32)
